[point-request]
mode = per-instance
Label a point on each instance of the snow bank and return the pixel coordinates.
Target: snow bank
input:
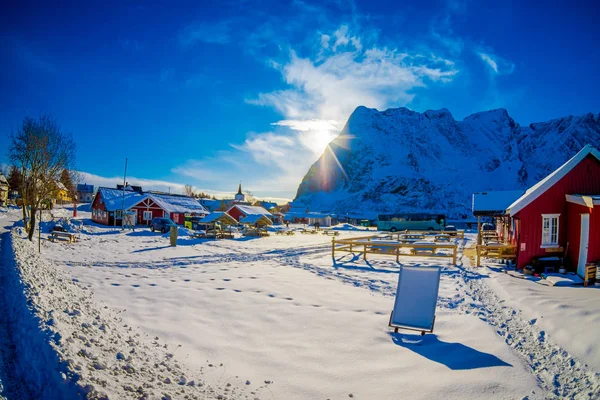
(349, 227)
(70, 347)
(34, 340)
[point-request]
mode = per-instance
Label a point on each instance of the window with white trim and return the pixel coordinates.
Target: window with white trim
(147, 215)
(550, 230)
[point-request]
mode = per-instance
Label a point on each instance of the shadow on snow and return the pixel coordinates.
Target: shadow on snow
(455, 356)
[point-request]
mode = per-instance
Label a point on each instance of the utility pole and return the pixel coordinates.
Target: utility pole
(40, 232)
(123, 200)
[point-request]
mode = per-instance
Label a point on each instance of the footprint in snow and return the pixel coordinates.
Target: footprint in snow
(237, 290)
(186, 280)
(153, 284)
(115, 284)
(271, 295)
(220, 288)
(226, 279)
(135, 285)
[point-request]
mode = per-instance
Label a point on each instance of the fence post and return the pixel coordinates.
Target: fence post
(333, 247)
(477, 251)
(454, 255)
(365, 253)
(397, 254)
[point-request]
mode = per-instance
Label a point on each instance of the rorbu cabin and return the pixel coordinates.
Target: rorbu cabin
(560, 215)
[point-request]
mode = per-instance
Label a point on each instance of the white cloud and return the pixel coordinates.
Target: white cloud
(325, 41)
(498, 65)
(146, 184)
(345, 71)
(347, 77)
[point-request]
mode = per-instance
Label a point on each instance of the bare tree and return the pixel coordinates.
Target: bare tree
(41, 151)
(249, 196)
(188, 190)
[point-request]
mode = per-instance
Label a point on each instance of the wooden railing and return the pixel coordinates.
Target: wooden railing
(374, 245)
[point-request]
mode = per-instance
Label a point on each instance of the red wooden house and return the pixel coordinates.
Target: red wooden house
(239, 211)
(562, 208)
(108, 203)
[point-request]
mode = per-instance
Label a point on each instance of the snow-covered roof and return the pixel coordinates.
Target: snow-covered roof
(536, 190)
(216, 216)
(254, 218)
(115, 199)
(268, 204)
(3, 180)
(486, 203)
(584, 200)
(177, 203)
(251, 210)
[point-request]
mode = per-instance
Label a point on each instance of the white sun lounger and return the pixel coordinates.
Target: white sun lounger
(416, 298)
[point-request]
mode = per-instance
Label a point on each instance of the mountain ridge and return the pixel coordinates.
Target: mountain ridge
(402, 160)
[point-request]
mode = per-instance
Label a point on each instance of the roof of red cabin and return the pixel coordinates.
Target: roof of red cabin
(539, 188)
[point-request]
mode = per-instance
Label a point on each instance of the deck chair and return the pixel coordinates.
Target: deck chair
(416, 298)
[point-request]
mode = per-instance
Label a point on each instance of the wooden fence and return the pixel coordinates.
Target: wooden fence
(456, 234)
(374, 245)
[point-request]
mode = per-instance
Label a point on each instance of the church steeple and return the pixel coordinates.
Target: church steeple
(239, 197)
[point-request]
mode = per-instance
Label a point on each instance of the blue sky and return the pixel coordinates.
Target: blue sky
(214, 93)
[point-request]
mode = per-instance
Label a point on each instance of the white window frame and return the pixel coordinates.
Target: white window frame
(146, 213)
(551, 231)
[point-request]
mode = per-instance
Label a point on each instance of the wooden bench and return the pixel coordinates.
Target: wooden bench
(499, 251)
(422, 248)
(60, 235)
(442, 238)
(329, 232)
(410, 237)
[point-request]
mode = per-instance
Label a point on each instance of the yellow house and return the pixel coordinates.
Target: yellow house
(61, 194)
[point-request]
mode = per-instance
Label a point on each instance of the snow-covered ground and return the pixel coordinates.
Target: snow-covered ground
(277, 317)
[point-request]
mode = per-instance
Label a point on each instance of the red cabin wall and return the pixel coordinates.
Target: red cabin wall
(99, 206)
(236, 213)
(583, 179)
(594, 243)
(594, 246)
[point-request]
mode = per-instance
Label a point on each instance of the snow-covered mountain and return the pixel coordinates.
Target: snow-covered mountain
(402, 160)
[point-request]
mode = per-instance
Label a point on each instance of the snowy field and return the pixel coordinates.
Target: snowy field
(278, 318)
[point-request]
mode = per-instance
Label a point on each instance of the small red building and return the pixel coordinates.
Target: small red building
(239, 211)
(556, 216)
